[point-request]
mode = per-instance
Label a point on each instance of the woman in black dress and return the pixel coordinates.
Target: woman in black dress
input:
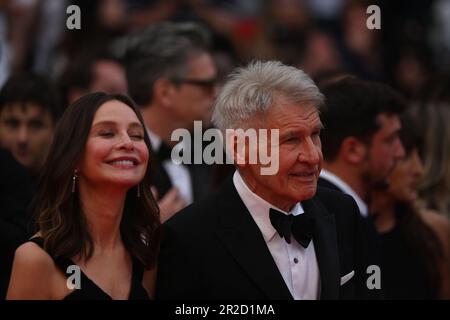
(97, 219)
(414, 241)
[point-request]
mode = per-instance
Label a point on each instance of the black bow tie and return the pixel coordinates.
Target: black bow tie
(300, 226)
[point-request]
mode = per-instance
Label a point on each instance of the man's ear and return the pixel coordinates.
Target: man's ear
(235, 149)
(353, 150)
(163, 92)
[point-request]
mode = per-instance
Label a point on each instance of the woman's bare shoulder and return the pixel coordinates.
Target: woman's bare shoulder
(33, 256)
(33, 273)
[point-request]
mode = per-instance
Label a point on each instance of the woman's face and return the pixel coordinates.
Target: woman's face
(405, 176)
(115, 153)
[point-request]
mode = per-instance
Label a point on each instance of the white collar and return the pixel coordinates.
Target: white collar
(154, 139)
(259, 208)
(345, 187)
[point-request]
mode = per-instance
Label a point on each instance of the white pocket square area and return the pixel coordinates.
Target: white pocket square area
(347, 277)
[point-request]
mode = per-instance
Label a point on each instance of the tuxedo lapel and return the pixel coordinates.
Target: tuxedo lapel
(243, 239)
(325, 245)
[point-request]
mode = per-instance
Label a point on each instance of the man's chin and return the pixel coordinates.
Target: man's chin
(307, 193)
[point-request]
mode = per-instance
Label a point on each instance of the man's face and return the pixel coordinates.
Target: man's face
(385, 149)
(300, 156)
(194, 101)
(26, 131)
(109, 77)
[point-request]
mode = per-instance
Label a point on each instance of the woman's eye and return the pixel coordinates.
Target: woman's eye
(137, 136)
(106, 133)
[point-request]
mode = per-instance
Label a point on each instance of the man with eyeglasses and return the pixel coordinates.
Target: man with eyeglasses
(172, 77)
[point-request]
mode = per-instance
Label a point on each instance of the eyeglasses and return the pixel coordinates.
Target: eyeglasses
(207, 84)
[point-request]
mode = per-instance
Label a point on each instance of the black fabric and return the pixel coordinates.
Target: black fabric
(404, 276)
(15, 216)
(213, 249)
(371, 237)
(89, 290)
(300, 226)
(327, 184)
(164, 152)
(201, 174)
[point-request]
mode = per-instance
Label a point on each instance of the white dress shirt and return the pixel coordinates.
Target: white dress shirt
(179, 175)
(341, 184)
(297, 265)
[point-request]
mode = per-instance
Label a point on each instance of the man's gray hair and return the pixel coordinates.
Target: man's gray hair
(159, 51)
(252, 90)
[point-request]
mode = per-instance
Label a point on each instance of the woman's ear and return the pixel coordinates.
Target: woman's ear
(353, 150)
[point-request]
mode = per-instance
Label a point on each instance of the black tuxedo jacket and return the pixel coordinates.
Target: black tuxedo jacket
(213, 249)
(327, 184)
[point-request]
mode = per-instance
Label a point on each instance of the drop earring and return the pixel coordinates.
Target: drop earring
(139, 190)
(74, 180)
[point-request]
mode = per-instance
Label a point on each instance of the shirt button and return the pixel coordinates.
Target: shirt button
(295, 260)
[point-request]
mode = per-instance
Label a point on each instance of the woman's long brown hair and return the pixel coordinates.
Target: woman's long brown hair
(416, 232)
(60, 218)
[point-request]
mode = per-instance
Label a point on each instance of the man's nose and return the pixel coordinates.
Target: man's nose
(309, 153)
(399, 150)
(23, 134)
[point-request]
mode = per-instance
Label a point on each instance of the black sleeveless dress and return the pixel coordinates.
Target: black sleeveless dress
(89, 290)
(403, 276)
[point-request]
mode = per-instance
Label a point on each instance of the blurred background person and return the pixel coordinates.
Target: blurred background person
(360, 141)
(95, 209)
(415, 241)
(360, 144)
(432, 115)
(15, 197)
(172, 77)
(29, 111)
(94, 71)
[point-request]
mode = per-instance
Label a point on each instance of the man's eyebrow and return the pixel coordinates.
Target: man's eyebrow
(319, 126)
(289, 133)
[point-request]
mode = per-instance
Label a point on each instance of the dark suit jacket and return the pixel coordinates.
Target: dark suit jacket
(327, 184)
(372, 238)
(15, 216)
(213, 249)
(200, 174)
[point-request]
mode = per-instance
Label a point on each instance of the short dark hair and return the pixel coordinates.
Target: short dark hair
(79, 73)
(27, 88)
(161, 50)
(350, 110)
(61, 221)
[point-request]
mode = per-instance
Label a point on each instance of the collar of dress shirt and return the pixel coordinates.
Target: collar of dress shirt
(156, 142)
(341, 184)
(259, 208)
(154, 139)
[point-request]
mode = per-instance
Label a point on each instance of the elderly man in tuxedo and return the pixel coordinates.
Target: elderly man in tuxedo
(274, 236)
